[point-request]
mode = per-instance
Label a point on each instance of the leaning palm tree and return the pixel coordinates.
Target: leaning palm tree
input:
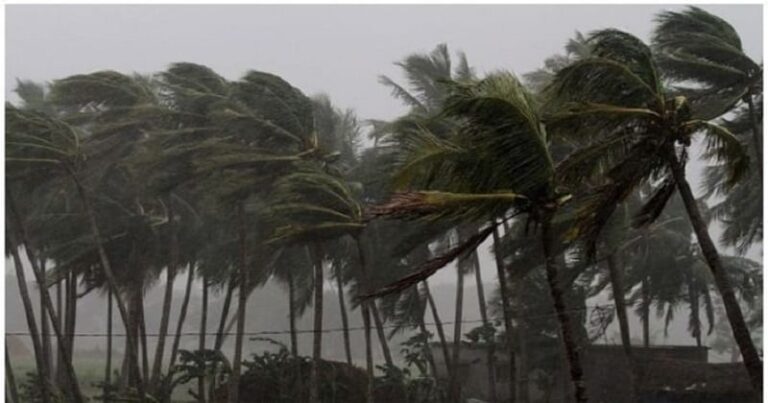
(616, 102)
(315, 207)
(497, 162)
(425, 94)
(227, 143)
(704, 52)
(63, 147)
(737, 207)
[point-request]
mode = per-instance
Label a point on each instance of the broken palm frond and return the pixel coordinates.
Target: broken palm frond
(431, 266)
(652, 209)
(426, 203)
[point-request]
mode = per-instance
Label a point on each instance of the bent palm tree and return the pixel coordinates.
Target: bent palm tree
(738, 207)
(696, 46)
(497, 161)
(615, 102)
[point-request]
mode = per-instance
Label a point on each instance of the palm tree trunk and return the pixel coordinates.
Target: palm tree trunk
(616, 274)
(523, 394)
(242, 299)
(292, 315)
(646, 312)
(111, 280)
(344, 318)
(425, 332)
(134, 329)
(456, 354)
(491, 352)
(566, 329)
(372, 308)
(364, 309)
(617, 285)
(201, 339)
(741, 334)
(143, 339)
(157, 362)
(44, 321)
(219, 340)
(506, 313)
(382, 335)
(173, 262)
(756, 133)
(12, 391)
(59, 306)
(317, 339)
(62, 375)
(182, 318)
(29, 313)
(22, 239)
(440, 330)
(369, 395)
(695, 321)
(108, 369)
(71, 319)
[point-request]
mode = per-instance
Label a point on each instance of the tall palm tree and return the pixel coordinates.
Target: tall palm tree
(737, 207)
(616, 101)
(425, 94)
(704, 52)
(497, 162)
(315, 207)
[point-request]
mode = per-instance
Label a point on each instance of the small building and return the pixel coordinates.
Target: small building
(663, 374)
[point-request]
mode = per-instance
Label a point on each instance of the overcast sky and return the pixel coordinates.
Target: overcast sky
(335, 49)
(340, 50)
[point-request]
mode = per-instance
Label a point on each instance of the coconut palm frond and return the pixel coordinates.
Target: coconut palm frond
(427, 269)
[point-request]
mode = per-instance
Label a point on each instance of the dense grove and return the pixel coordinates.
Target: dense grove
(574, 174)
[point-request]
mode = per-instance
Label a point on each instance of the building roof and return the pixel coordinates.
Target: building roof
(690, 377)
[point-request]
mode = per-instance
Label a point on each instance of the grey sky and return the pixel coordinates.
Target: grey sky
(339, 50)
(336, 49)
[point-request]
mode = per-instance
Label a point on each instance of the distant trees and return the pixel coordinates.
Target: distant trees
(115, 181)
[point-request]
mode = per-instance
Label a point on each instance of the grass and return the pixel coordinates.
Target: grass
(90, 372)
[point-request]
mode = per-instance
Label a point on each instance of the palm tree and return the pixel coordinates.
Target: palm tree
(315, 207)
(229, 141)
(42, 369)
(294, 269)
(12, 392)
(616, 101)
(33, 97)
(704, 52)
(737, 207)
(426, 75)
(498, 161)
(52, 141)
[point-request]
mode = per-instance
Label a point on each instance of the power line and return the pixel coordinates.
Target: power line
(312, 331)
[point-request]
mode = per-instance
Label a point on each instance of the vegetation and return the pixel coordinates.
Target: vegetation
(576, 176)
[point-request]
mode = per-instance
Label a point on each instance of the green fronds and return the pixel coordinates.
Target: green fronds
(96, 90)
(275, 100)
(595, 209)
(724, 148)
(627, 50)
(427, 269)
(434, 204)
(696, 45)
(33, 136)
(401, 93)
(601, 81)
(655, 205)
(501, 121)
(423, 155)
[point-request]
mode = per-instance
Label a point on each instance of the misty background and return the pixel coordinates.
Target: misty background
(338, 50)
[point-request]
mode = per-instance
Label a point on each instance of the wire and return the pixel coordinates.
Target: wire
(310, 331)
